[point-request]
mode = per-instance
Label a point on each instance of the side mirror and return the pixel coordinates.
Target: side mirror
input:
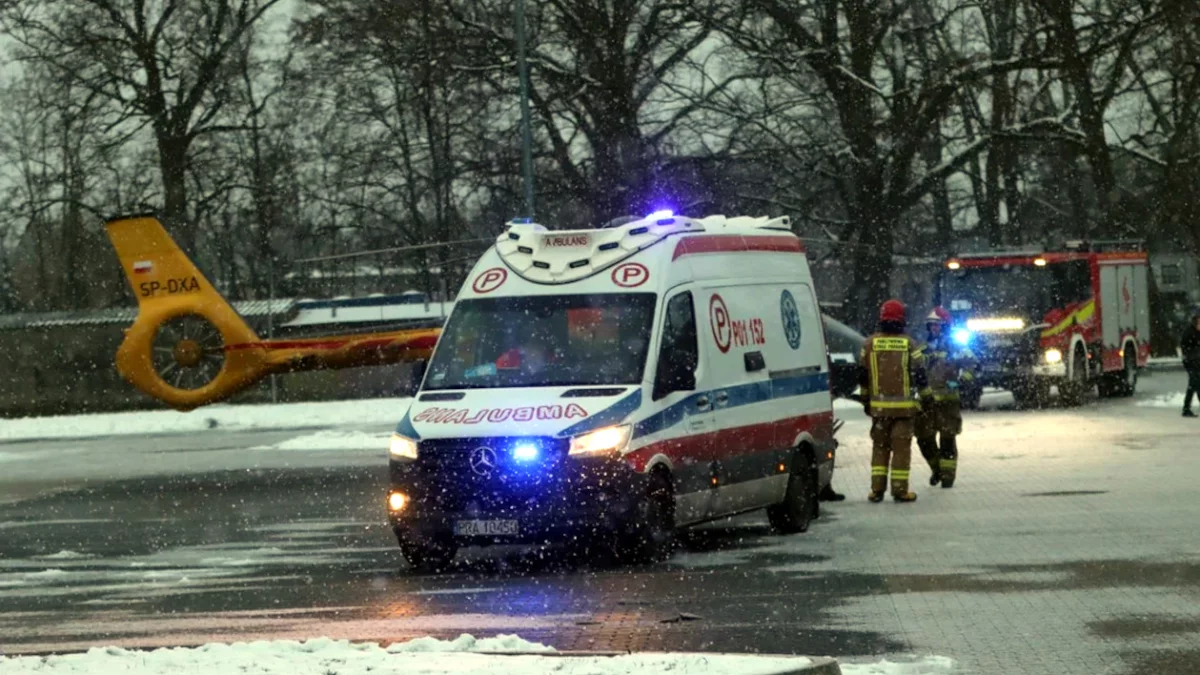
(843, 379)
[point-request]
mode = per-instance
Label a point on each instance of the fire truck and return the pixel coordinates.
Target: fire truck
(1075, 319)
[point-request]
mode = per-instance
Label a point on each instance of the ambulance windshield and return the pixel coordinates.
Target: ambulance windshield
(544, 341)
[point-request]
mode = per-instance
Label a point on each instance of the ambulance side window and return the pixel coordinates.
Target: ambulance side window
(680, 351)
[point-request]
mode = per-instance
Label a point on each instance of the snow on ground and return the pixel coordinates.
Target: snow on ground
(332, 440)
(427, 656)
(1164, 401)
(227, 417)
(366, 412)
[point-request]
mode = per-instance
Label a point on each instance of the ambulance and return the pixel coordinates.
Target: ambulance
(603, 388)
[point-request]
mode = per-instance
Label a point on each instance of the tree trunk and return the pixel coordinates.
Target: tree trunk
(173, 164)
(943, 218)
(872, 267)
(1078, 70)
(619, 184)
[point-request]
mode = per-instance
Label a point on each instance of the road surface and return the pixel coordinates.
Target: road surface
(1069, 545)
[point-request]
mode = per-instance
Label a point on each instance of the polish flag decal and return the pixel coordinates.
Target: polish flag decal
(143, 267)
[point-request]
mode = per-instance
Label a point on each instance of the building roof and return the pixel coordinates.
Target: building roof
(123, 316)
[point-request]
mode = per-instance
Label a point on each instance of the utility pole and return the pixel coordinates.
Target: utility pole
(271, 319)
(526, 130)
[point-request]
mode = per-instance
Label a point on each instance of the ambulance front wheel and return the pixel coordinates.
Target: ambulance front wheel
(427, 555)
(650, 535)
(799, 506)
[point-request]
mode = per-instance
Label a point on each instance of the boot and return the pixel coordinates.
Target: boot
(935, 478)
(829, 495)
(905, 497)
(875, 497)
(1187, 412)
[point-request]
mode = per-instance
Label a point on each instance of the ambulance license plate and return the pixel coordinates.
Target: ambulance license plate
(486, 528)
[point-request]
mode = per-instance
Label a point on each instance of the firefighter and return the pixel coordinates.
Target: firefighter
(892, 365)
(1189, 346)
(946, 367)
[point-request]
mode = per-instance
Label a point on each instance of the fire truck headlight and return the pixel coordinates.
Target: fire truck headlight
(962, 336)
(608, 440)
(1053, 356)
(402, 447)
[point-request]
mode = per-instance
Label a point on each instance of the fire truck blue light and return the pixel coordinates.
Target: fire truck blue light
(962, 336)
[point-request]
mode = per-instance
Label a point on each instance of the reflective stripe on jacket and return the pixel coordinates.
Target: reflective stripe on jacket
(947, 367)
(893, 368)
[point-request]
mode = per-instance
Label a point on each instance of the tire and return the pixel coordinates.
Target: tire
(970, 398)
(1128, 382)
(650, 537)
(799, 506)
(428, 556)
(1032, 394)
(1073, 389)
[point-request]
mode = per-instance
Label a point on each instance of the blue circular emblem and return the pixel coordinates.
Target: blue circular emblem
(791, 319)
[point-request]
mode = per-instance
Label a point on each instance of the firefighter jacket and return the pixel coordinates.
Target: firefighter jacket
(946, 367)
(893, 371)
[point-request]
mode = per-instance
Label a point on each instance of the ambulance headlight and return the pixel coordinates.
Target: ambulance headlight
(1053, 356)
(609, 440)
(402, 447)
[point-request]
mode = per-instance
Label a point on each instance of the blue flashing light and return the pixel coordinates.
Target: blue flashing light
(962, 336)
(526, 453)
(661, 214)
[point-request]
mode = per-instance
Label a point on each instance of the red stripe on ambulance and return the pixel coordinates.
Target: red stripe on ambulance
(735, 441)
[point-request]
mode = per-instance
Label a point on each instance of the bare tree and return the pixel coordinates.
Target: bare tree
(882, 79)
(165, 64)
(1166, 143)
(614, 87)
(1095, 41)
(55, 148)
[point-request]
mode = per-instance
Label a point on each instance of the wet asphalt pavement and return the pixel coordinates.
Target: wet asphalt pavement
(1069, 545)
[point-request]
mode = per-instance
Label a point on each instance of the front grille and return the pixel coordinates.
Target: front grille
(1009, 352)
(448, 476)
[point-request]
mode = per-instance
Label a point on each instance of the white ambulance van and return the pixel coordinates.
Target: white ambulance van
(608, 386)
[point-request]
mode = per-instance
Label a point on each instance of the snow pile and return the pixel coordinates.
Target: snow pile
(373, 412)
(468, 643)
(1164, 401)
(425, 656)
(333, 440)
(930, 665)
(65, 555)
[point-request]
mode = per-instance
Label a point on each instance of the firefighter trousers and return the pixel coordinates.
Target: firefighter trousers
(891, 438)
(937, 429)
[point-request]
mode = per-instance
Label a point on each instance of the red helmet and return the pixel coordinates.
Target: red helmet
(938, 315)
(892, 310)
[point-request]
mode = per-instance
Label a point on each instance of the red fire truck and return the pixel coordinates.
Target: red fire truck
(1074, 318)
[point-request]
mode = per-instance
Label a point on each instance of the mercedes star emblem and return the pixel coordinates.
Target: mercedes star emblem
(483, 460)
